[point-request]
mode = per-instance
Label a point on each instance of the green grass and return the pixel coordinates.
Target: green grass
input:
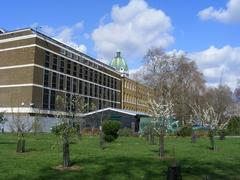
(126, 158)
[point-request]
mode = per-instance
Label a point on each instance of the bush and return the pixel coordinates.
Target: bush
(201, 133)
(110, 130)
(233, 127)
(185, 131)
(125, 132)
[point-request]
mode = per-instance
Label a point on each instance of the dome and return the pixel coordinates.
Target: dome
(119, 64)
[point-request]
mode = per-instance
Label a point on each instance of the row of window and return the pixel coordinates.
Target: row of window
(62, 82)
(78, 58)
(62, 65)
(49, 102)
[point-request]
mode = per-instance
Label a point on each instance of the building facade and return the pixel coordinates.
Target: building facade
(136, 96)
(35, 69)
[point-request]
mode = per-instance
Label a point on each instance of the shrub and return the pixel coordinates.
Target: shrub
(233, 127)
(185, 131)
(110, 130)
(201, 133)
(125, 132)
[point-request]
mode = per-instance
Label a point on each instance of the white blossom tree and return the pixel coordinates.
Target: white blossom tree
(210, 120)
(162, 112)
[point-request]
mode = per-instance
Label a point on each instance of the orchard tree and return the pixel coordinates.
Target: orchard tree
(211, 121)
(21, 124)
(162, 112)
(3, 120)
(65, 130)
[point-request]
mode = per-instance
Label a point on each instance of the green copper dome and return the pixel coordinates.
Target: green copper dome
(119, 63)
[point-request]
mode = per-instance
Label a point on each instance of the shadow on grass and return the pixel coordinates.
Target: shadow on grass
(145, 168)
(7, 142)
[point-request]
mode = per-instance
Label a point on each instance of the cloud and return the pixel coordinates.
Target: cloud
(217, 63)
(65, 34)
(133, 29)
(231, 14)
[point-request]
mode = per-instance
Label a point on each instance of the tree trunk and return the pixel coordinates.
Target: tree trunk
(21, 144)
(222, 135)
(194, 137)
(66, 154)
(161, 145)
(152, 138)
(212, 142)
(101, 140)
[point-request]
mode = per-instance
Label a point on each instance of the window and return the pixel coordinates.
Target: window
(86, 73)
(62, 65)
(91, 89)
(74, 85)
(108, 81)
(104, 80)
(80, 71)
(54, 65)
(115, 84)
(112, 86)
(68, 102)
(95, 76)
(105, 93)
(73, 103)
(75, 69)
(62, 51)
(100, 78)
(61, 83)
(52, 102)
(96, 91)
(91, 75)
(86, 88)
(108, 94)
(68, 84)
(99, 104)
(47, 59)
(54, 80)
(113, 96)
(69, 67)
(45, 98)
(100, 92)
(46, 77)
(80, 83)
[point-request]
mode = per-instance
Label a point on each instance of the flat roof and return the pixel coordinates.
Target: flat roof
(132, 113)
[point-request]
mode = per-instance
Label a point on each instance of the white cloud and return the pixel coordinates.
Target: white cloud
(230, 14)
(65, 34)
(133, 29)
(219, 62)
(176, 52)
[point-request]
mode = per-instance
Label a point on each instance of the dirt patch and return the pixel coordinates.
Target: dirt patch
(70, 168)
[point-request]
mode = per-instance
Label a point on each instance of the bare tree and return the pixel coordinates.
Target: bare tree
(175, 78)
(36, 124)
(21, 124)
(161, 112)
(220, 98)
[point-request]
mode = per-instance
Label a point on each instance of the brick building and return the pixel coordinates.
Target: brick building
(35, 69)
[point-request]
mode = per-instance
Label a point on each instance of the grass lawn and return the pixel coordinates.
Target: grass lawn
(126, 158)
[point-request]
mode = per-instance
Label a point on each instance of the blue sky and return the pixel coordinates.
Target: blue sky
(207, 31)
